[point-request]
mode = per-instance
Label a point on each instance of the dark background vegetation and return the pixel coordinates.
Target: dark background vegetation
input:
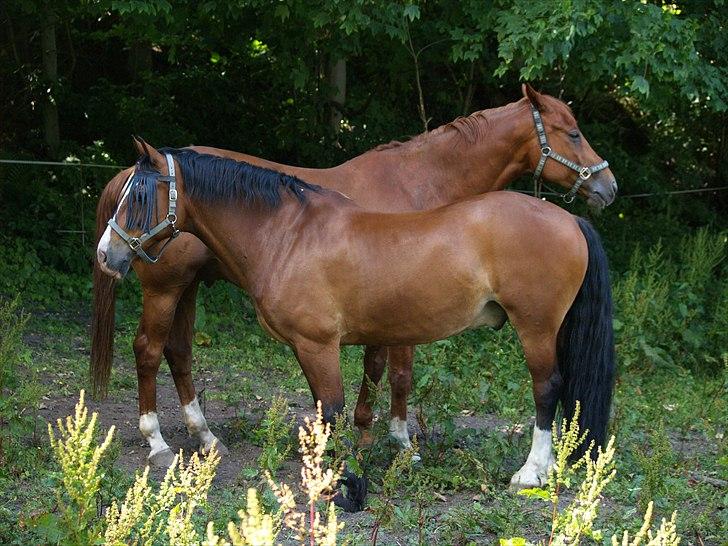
(648, 82)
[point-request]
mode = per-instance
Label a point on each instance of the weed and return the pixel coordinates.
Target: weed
(274, 433)
(655, 466)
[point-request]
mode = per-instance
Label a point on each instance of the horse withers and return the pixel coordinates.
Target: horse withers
(323, 272)
(476, 154)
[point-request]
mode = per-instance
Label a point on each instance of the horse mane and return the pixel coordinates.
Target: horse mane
(472, 128)
(211, 179)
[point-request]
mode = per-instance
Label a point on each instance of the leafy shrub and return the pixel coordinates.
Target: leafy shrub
(670, 309)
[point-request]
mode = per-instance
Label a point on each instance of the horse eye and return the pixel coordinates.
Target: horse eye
(574, 134)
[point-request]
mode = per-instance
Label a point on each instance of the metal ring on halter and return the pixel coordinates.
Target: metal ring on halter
(134, 243)
(546, 153)
(172, 217)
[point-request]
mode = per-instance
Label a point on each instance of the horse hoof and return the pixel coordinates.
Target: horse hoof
(161, 459)
(528, 477)
(222, 451)
(356, 492)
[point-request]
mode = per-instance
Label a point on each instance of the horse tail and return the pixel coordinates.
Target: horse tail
(104, 297)
(585, 347)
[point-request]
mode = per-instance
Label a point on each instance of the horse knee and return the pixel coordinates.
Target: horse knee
(147, 355)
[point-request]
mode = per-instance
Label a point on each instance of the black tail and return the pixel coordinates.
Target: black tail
(585, 347)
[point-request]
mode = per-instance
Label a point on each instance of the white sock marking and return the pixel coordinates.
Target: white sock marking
(535, 471)
(197, 424)
(149, 426)
(398, 430)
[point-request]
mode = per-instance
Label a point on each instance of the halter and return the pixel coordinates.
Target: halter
(546, 152)
(135, 243)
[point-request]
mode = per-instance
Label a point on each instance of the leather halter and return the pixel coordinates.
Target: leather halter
(135, 243)
(547, 152)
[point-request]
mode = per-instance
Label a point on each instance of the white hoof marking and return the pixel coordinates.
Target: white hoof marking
(534, 473)
(398, 431)
(197, 425)
(149, 427)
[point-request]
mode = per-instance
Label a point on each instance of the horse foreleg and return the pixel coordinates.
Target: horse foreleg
(540, 351)
(178, 352)
(320, 365)
(375, 360)
(157, 315)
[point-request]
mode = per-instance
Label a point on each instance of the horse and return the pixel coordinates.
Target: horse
(482, 152)
(323, 272)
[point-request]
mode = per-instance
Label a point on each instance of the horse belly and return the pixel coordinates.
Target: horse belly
(491, 315)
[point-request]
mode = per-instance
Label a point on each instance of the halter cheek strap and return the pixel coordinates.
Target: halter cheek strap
(135, 243)
(547, 152)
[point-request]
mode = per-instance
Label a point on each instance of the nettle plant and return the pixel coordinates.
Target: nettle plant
(576, 522)
(164, 515)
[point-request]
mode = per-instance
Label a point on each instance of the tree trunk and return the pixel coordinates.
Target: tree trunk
(337, 81)
(51, 126)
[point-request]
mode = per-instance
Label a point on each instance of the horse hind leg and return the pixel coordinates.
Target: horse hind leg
(178, 352)
(400, 381)
(540, 351)
(375, 360)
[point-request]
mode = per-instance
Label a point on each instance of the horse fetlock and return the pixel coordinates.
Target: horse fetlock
(149, 427)
(398, 431)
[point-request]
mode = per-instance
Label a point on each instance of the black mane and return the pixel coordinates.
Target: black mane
(211, 179)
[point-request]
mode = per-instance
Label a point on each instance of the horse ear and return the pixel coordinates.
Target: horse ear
(533, 96)
(138, 145)
(147, 149)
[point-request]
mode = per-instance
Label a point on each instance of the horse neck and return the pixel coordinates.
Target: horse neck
(240, 235)
(444, 166)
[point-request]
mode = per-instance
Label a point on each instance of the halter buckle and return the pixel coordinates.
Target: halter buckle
(173, 195)
(546, 150)
(134, 243)
(585, 173)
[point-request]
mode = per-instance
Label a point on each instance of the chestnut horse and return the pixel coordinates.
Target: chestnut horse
(323, 272)
(483, 152)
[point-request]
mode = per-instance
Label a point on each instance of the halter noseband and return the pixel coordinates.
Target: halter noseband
(546, 152)
(135, 243)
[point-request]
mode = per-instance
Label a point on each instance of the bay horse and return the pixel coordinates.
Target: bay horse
(323, 272)
(483, 152)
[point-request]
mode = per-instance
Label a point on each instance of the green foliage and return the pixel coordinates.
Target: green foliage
(669, 310)
(274, 433)
(18, 397)
(655, 466)
(394, 479)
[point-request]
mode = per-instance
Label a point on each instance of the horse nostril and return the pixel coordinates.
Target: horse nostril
(614, 187)
(101, 255)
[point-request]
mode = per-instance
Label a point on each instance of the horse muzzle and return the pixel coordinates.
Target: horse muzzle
(602, 196)
(114, 264)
